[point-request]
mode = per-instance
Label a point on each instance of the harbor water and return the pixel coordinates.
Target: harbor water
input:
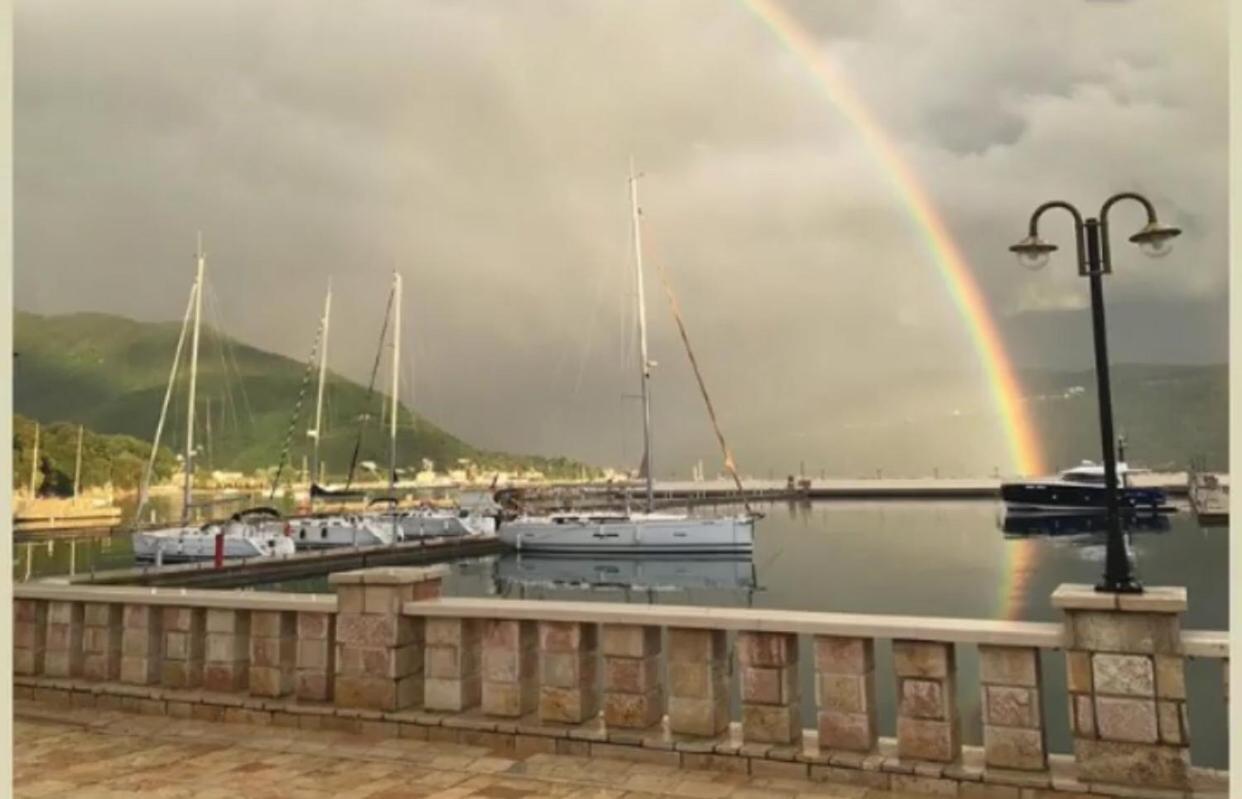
(944, 558)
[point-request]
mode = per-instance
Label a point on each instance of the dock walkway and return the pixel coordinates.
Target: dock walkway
(64, 752)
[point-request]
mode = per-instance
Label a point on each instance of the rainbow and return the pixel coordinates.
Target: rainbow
(1024, 448)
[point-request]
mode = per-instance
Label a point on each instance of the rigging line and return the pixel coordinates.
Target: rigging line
(213, 312)
(229, 350)
(698, 375)
(296, 416)
(366, 403)
(590, 338)
(159, 427)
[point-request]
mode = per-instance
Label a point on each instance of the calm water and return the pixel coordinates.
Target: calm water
(917, 558)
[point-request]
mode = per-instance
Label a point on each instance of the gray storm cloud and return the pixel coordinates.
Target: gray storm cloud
(481, 148)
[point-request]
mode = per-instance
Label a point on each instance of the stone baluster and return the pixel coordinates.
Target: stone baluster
(451, 664)
(845, 693)
(273, 652)
(1011, 693)
(29, 635)
(769, 682)
(315, 657)
(101, 641)
(226, 659)
(928, 725)
(185, 633)
(510, 667)
(698, 682)
(1127, 685)
(379, 650)
(63, 654)
(633, 695)
(569, 684)
(142, 644)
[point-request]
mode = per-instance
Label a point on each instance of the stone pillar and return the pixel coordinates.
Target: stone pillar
(379, 650)
(569, 688)
(633, 695)
(769, 681)
(185, 637)
(226, 662)
(63, 654)
(698, 682)
(1127, 685)
(1011, 691)
(29, 635)
(451, 664)
(315, 659)
(928, 726)
(845, 693)
(273, 652)
(101, 641)
(510, 667)
(142, 644)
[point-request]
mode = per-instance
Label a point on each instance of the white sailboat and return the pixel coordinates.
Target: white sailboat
(626, 532)
(324, 531)
(417, 522)
(246, 534)
(391, 524)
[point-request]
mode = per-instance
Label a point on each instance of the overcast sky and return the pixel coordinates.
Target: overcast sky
(482, 148)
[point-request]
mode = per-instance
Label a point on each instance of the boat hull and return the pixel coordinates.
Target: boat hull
(1078, 498)
(192, 544)
(668, 535)
(333, 532)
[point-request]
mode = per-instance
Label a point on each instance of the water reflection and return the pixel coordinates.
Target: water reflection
(521, 575)
(1019, 525)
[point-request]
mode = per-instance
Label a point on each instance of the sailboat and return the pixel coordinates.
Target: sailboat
(625, 532)
(391, 524)
(247, 534)
(418, 522)
(323, 531)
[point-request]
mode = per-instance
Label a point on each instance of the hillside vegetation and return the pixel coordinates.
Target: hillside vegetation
(116, 459)
(110, 373)
(1169, 414)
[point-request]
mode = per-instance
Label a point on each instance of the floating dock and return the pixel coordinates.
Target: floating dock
(1209, 498)
(302, 565)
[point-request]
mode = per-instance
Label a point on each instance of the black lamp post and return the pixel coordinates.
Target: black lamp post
(1091, 238)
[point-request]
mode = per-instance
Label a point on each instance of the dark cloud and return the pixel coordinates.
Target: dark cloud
(481, 147)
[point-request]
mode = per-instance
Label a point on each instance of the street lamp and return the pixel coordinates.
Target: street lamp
(1094, 261)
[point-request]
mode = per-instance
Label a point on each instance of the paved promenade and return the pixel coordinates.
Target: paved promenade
(103, 754)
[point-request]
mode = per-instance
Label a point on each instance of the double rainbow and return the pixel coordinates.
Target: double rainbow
(1025, 453)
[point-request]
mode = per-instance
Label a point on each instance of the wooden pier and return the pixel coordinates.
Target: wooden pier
(302, 565)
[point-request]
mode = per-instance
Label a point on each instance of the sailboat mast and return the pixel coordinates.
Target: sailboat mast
(323, 370)
(189, 424)
(396, 362)
(645, 366)
(77, 466)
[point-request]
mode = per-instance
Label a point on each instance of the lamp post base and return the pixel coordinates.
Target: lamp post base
(1127, 585)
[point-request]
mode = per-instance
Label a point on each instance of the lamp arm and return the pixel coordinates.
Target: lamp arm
(1109, 203)
(1078, 228)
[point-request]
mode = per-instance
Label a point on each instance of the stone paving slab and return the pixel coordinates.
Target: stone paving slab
(62, 752)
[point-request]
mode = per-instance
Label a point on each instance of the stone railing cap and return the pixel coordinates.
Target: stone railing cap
(392, 575)
(1156, 599)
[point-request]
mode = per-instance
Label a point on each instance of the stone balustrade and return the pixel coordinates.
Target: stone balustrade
(388, 654)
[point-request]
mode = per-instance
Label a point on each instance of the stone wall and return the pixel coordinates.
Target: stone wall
(388, 655)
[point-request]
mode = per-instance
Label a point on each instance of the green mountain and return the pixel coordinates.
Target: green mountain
(110, 373)
(1169, 414)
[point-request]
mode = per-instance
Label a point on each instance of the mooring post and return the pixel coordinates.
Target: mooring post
(219, 553)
